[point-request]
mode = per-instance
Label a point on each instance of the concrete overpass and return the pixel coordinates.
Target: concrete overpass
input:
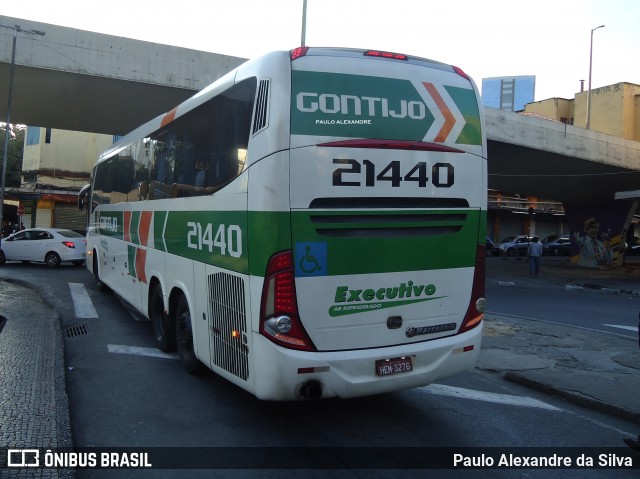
(77, 80)
(538, 157)
(83, 81)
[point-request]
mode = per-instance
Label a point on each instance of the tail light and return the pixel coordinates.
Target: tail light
(298, 52)
(69, 244)
(477, 304)
(461, 72)
(279, 317)
(390, 55)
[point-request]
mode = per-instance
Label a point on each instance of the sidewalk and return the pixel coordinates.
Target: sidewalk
(597, 371)
(34, 410)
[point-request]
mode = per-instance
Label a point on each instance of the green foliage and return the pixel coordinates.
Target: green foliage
(14, 153)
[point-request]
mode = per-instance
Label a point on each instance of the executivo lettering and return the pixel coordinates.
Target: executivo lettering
(350, 300)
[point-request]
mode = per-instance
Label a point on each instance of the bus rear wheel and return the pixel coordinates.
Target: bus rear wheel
(163, 327)
(184, 337)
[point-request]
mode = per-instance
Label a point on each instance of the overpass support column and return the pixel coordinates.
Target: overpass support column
(598, 232)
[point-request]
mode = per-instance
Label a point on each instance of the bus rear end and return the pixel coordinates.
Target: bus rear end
(383, 288)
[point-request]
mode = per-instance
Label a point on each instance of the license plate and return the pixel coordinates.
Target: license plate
(387, 367)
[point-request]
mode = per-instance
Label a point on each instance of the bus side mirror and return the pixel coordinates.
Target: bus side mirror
(83, 197)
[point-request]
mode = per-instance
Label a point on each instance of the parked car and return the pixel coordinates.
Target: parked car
(49, 245)
(633, 248)
(556, 245)
(512, 245)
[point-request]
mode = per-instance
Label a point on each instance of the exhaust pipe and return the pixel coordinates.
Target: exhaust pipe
(311, 390)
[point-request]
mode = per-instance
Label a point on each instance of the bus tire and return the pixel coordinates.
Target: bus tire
(163, 326)
(184, 337)
(96, 274)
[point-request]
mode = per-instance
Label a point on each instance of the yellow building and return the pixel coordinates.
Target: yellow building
(615, 110)
(55, 165)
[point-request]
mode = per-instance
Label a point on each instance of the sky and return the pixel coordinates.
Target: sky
(486, 38)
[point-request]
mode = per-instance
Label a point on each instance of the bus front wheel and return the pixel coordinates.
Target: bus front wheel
(96, 273)
(184, 337)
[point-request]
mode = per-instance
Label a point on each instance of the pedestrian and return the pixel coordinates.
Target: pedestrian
(7, 230)
(634, 442)
(534, 252)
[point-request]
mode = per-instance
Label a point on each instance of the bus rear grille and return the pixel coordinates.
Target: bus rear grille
(228, 324)
(360, 225)
(261, 114)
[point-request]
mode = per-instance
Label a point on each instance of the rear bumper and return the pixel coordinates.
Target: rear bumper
(281, 373)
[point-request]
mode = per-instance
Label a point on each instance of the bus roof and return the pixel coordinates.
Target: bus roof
(228, 80)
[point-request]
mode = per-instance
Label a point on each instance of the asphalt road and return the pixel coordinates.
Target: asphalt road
(122, 393)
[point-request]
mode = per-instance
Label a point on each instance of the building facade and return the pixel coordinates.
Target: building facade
(615, 110)
(56, 165)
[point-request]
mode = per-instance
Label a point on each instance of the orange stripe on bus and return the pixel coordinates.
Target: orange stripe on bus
(141, 263)
(168, 117)
(143, 228)
(449, 119)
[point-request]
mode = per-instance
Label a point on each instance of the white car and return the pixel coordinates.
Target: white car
(49, 245)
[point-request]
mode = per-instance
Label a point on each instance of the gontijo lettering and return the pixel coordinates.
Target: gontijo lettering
(108, 223)
(332, 103)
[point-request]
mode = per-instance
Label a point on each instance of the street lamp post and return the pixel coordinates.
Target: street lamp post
(590, 66)
(303, 38)
(15, 29)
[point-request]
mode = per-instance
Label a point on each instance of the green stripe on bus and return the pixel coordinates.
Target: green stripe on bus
(367, 242)
(357, 242)
(467, 103)
(131, 258)
(212, 237)
(269, 233)
(159, 218)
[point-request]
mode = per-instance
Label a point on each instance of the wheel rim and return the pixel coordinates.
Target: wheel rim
(52, 259)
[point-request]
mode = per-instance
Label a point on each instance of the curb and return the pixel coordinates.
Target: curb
(574, 398)
(602, 289)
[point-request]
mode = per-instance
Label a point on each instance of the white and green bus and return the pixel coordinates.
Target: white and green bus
(310, 225)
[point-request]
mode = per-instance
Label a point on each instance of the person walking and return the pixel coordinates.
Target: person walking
(534, 252)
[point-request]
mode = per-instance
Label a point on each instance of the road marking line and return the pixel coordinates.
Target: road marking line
(442, 390)
(140, 351)
(621, 326)
(81, 301)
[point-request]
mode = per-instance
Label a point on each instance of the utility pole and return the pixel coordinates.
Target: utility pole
(5, 152)
(15, 29)
(304, 23)
(590, 66)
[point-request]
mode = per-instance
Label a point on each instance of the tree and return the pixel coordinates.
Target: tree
(14, 154)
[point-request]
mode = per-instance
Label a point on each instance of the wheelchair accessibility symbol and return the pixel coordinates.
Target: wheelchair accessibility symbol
(311, 259)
